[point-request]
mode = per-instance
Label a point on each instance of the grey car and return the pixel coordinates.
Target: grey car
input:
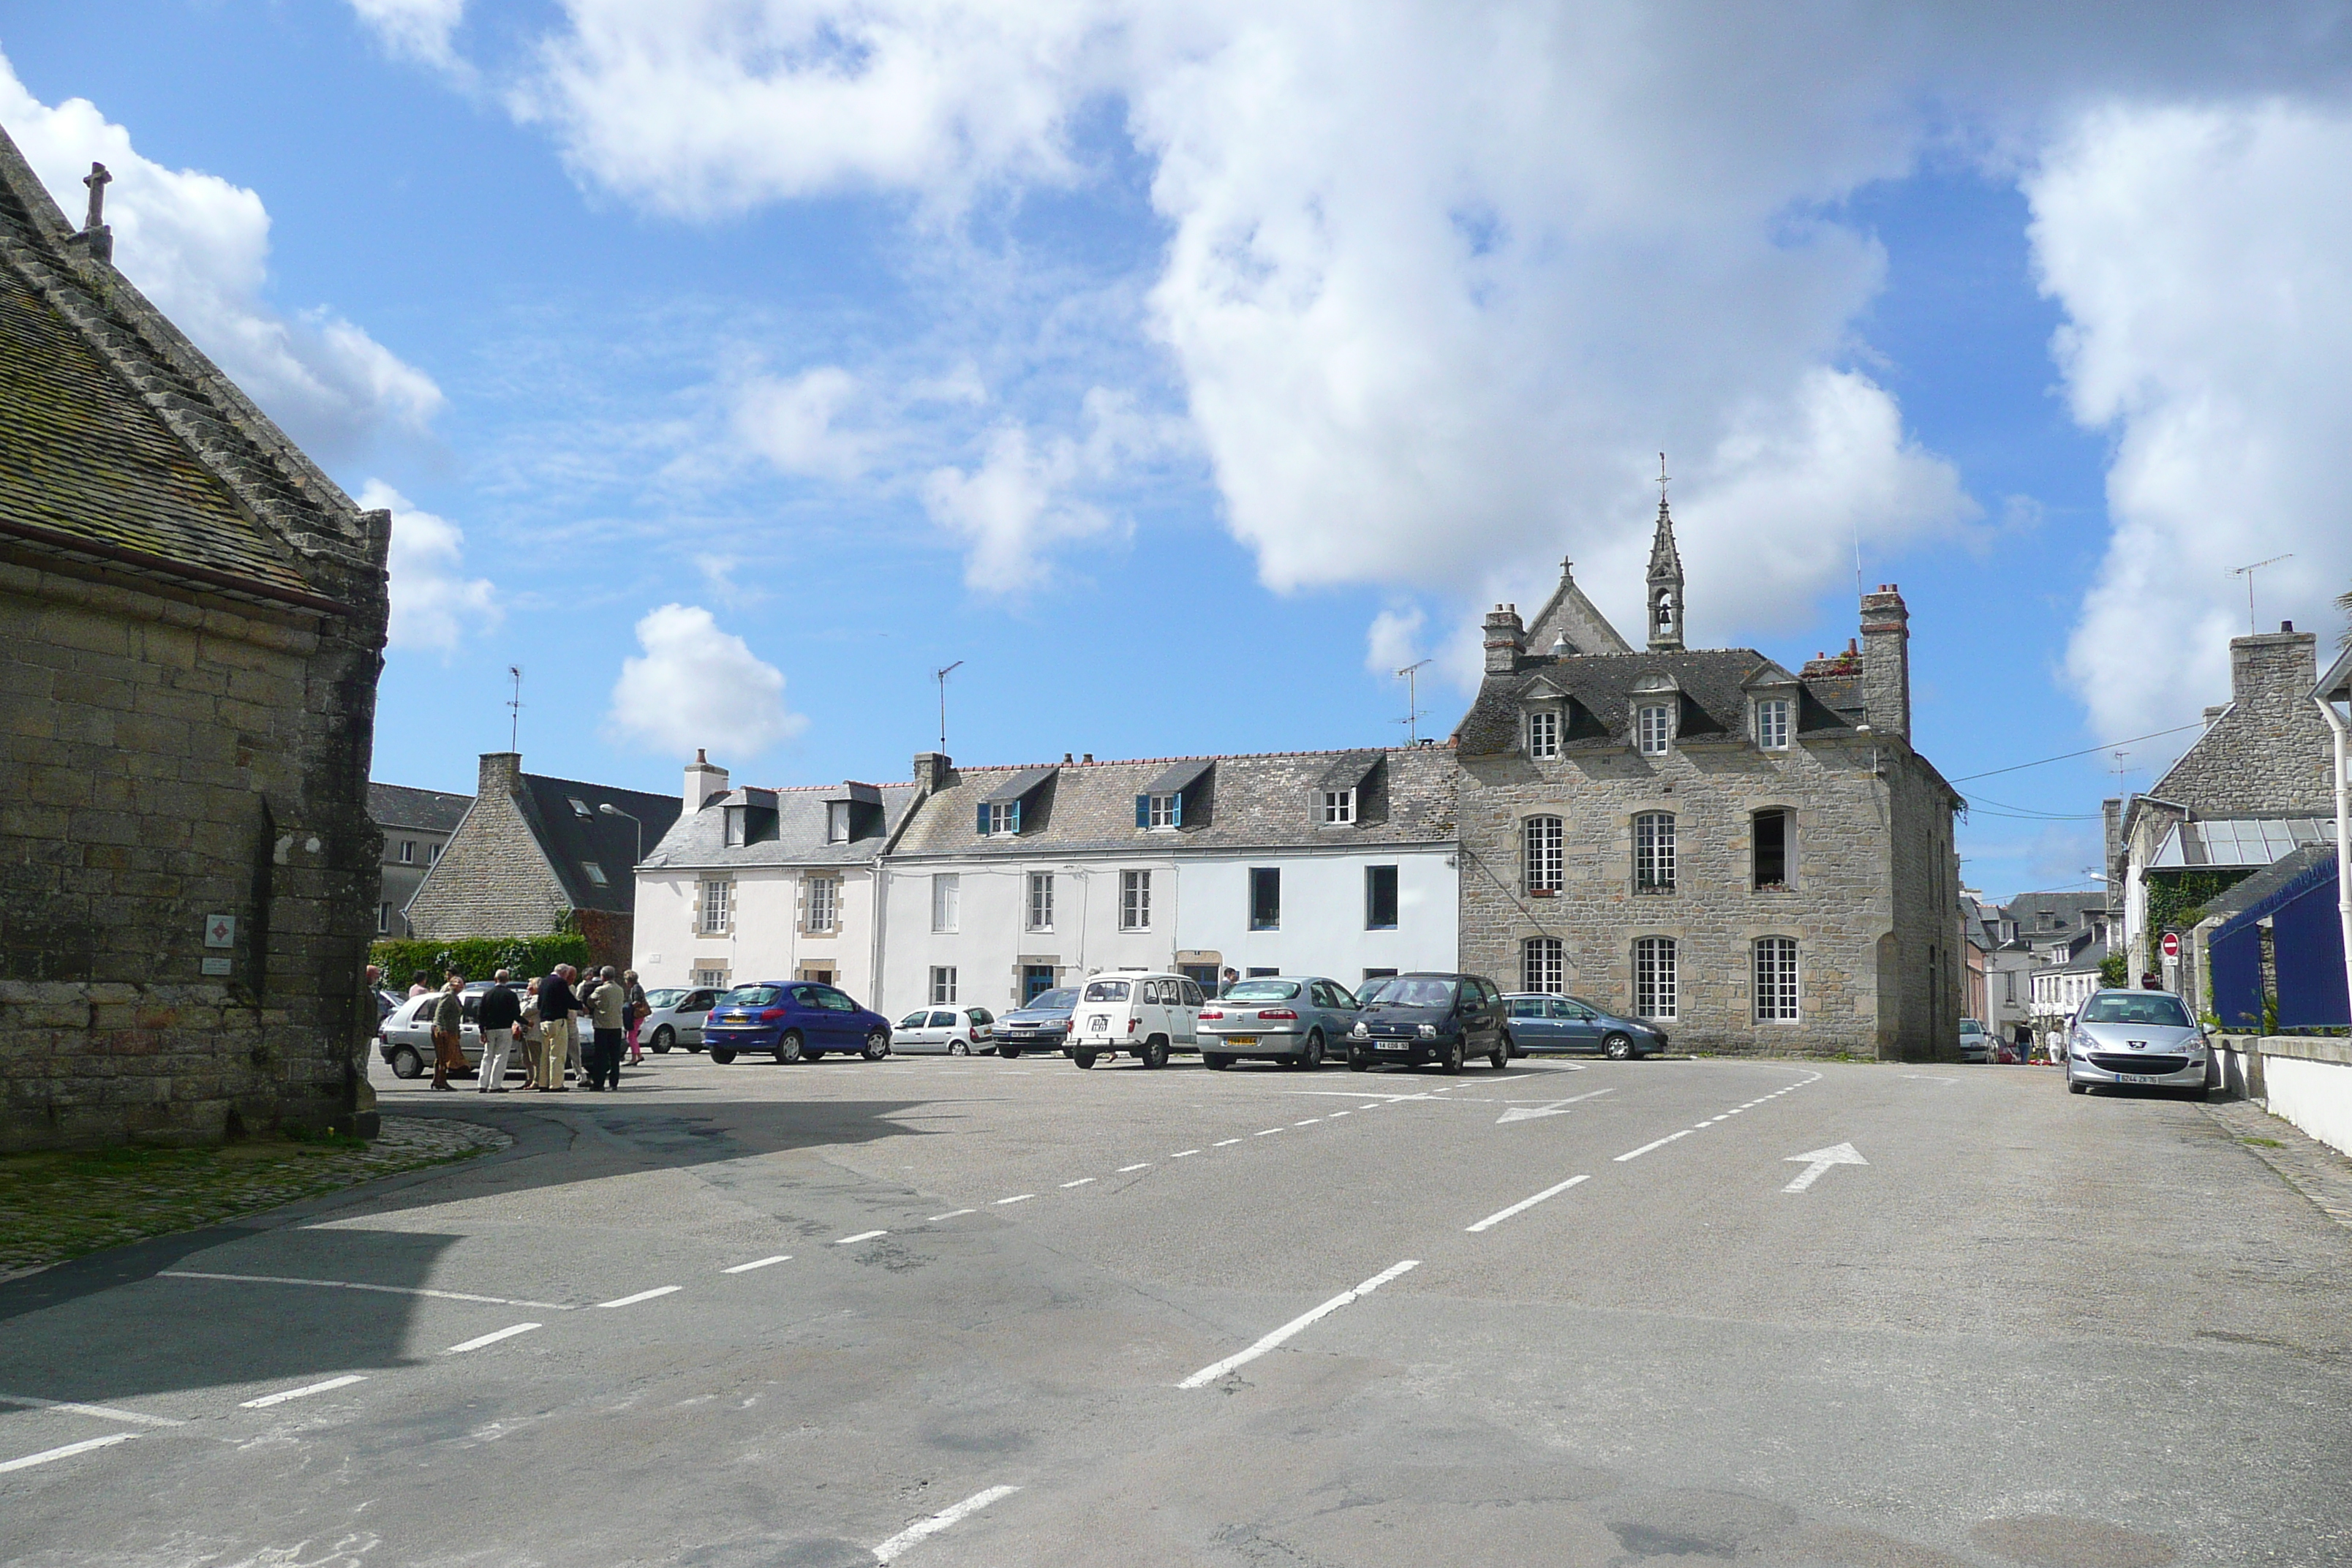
(676, 1015)
(1294, 1019)
(2140, 1037)
(1543, 1024)
(1041, 1024)
(405, 1040)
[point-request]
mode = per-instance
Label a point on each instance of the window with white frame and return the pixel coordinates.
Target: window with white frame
(1656, 992)
(1041, 900)
(1776, 979)
(1162, 811)
(382, 917)
(1543, 965)
(1339, 807)
(716, 899)
(947, 893)
(1543, 732)
(1654, 727)
(1135, 900)
(823, 903)
(1772, 723)
(408, 851)
(836, 821)
(943, 986)
(1653, 852)
(709, 978)
(1540, 853)
(1004, 818)
(433, 854)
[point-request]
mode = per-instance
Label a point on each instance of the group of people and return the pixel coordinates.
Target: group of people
(565, 1027)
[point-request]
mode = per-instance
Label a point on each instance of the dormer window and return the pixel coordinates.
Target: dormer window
(836, 821)
(1164, 810)
(1000, 818)
(1654, 729)
(1339, 807)
(1543, 733)
(1772, 723)
(580, 807)
(735, 826)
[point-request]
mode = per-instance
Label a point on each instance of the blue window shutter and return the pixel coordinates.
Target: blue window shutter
(1013, 811)
(1143, 811)
(984, 819)
(1176, 809)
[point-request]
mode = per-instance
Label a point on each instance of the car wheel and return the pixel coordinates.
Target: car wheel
(2073, 1088)
(1084, 1059)
(407, 1063)
(877, 1046)
(792, 1047)
(958, 1049)
(1155, 1051)
(1216, 1061)
(1313, 1056)
(1617, 1048)
(663, 1040)
(1453, 1057)
(1500, 1056)
(1008, 1053)
(723, 1055)
(1359, 1061)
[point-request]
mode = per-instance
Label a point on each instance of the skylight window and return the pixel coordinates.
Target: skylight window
(579, 806)
(596, 872)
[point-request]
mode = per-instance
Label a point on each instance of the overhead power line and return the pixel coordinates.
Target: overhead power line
(2062, 756)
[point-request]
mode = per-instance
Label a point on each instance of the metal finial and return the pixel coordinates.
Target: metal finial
(1662, 481)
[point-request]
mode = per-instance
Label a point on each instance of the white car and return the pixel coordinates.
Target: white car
(1144, 1014)
(1975, 1046)
(676, 1016)
(958, 1031)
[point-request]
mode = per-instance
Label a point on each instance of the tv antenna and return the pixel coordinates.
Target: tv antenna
(2252, 629)
(514, 710)
(1410, 676)
(941, 676)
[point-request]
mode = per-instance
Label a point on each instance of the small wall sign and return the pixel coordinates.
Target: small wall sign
(216, 966)
(220, 931)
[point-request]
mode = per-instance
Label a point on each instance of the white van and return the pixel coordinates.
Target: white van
(1142, 1013)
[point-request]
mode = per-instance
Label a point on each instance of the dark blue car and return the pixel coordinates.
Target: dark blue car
(798, 1020)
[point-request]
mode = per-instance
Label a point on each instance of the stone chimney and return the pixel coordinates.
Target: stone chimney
(1507, 639)
(2276, 668)
(501, 774)
(704, 778)
(1886, 662)
(933, 771)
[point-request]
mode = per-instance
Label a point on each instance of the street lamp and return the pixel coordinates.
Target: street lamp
(609, 809)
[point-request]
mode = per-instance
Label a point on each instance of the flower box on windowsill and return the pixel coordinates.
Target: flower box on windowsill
(1654, 887)
(1772, 887)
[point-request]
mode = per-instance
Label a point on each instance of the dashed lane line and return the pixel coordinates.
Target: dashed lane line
(951, 1214)
(355, 1285)
(1081, 1182)
(758, 1263)
(861, 1236)
(102, 1412)
(1269, 1131)
(1141, 1166)
(1015, 1198)
(509, 1332)
(1223, 1141)
(1209, 1373)
(1184, 1154)
(1499, 1215)
(267, 1400)
(643, 1296)
(890, 1549)
(1659, 1143)
(68, 1451)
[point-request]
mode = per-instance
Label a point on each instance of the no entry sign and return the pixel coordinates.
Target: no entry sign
(2172, 944)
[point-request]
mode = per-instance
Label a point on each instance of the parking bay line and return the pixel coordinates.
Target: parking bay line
(509, 1332)
(103, 1412)
(889, 1550)
(267, 1400)
(758, 1263)
(643, 1296)
(1499, 1215)
(84, 1447)
(1209, 1374)
(355, 1285)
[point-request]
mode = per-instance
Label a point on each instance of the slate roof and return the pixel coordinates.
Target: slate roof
(699, 839)
(1263, 801)
(431, 810)
(124, 444)
(573, 841)
(1714, 683)
(2266, 885)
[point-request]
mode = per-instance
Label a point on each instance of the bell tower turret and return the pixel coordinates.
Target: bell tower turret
(1666, 582)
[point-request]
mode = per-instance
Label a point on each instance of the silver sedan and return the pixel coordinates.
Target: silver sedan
(1289, 1019)
(2138, 1037)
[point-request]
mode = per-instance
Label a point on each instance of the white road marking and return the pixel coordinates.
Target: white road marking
(861, 1236)
(103, 1412)
(889, 1550)
(1557, 1107)
(506, 1333)
(642, 1296)
(1499, 1215)
(1268, 1132)
(1338, 1114)
(1209, 1374)
(1637, 1153)
(758, 1263)
(1139, 1165)
(1081, 1182)
(1928, 1077)
(1309, 1123)
(354, 1285)
(1184, 1154)
(84, 1447)
(1223, 1141)
(1015, 1198)
(1821, 1162)
(267, 1400)
(951, 1214)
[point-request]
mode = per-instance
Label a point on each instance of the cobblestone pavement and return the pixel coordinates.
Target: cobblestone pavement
(2301, 1162)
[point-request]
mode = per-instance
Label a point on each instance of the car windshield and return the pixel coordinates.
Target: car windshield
(1060, 1000)
(1409, 991)
(663, 998)
(1106, 990)
(750, 997)
(2136, 1007)
(1262, 991)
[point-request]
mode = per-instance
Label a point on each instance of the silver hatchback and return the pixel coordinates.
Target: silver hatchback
(2139, 1037)
(1291, 1018)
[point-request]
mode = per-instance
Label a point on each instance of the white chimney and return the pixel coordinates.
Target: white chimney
(704, 778)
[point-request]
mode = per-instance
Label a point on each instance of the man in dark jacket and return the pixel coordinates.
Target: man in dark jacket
(497, 1013)
(556, 1006)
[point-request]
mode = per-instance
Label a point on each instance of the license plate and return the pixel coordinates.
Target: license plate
(1098, 1026)
(1240, 1039)
(2135, 1077)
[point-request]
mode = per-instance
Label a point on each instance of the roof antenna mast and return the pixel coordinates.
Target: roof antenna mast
(941, 676)
(2247, 574)
(514, 710)
(1410, 676)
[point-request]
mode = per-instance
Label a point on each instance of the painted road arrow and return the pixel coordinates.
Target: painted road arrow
(1557, 1107)
(1820, 1160)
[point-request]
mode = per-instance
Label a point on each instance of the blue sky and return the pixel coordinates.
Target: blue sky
(731, 364)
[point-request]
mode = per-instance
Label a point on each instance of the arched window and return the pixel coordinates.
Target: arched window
(1653, 852)
(1540, 853)
(1655, 988)
(1543, 965)
(1776, 979)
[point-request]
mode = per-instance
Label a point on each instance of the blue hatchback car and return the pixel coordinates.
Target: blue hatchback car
(798, 1020)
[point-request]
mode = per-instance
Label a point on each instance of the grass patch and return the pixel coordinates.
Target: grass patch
(59, 1206)
(2263, 1142)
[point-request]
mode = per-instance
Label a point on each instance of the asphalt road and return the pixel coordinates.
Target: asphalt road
(980, 1313)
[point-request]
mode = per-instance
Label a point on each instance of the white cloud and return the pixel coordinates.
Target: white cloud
(413, 29)
(1393, 640)
(199, 248)
(434, 606)
(1011, 507)
(2204, 259)
(694, 682)
(795, 423)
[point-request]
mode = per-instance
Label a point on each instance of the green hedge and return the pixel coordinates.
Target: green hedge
(478, 957)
